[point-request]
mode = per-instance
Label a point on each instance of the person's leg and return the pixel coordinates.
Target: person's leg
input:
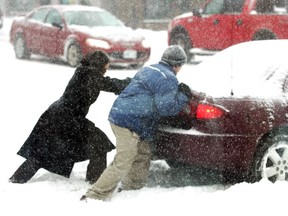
(96, 167)
(97, 147)
(25, 171)
(126, 151)
(139, 173)
(97, 140)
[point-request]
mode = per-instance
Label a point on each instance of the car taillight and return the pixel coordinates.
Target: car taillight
(207, 111)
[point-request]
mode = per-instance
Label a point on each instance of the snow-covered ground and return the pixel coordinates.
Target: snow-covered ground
(27, 88)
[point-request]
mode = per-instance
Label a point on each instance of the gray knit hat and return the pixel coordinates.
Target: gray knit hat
(174, 55)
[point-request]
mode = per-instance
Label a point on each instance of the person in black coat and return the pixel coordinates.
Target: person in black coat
(63, 135)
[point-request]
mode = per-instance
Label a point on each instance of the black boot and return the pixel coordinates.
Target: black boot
(95, 168)
(25, 172)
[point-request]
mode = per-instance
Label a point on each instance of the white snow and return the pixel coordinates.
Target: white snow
(113, 33)
(27, 88)
(214, 76)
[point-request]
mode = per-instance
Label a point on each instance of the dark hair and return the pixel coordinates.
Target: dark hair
(97, 59)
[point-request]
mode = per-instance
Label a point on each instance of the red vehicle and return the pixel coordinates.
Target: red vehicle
(238, 125)
(222, 23)
(71, 31)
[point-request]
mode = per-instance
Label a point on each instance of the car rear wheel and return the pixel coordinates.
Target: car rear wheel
(181, 39)
(264, 35)
(20, 48)
(271, 160)
(74, 55)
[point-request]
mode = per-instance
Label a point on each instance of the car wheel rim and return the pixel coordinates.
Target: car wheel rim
(74, 55)
(274, 165)
(19, 47)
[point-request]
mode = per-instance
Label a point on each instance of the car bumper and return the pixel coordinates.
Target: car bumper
(118, 56)
(214, 151)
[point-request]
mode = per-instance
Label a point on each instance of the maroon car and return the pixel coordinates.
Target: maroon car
(71, 31)
(222, 23)
(238, 121)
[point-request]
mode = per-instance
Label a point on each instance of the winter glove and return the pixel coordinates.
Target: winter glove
(185, 89)
(123, 84)
(127, 80)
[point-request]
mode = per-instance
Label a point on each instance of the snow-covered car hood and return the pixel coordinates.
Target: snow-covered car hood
(111, 33)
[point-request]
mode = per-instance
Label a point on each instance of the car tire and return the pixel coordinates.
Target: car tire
(182, 39)
(264, 35)
(20, 48)
(271, 160)
(74, 55)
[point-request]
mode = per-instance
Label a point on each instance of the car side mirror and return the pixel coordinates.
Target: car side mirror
(58, 25)
(196, 12)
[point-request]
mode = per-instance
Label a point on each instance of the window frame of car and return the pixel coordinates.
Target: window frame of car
(56, 18)
(224, 7)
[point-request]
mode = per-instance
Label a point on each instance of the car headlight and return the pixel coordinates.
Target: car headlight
(145, 43)
(98, 43)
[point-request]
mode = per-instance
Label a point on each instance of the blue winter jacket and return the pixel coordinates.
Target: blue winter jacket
(152, 93)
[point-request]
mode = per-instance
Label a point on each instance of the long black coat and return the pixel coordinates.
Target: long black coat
(63, 135)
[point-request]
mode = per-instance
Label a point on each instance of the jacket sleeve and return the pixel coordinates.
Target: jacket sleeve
(114, 85)
(167, 97)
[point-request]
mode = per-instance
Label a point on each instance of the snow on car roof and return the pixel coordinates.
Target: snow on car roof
(255, 68)
(77, 8)
(61, 7)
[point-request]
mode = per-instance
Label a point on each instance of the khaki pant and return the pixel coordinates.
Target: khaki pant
(130, 165)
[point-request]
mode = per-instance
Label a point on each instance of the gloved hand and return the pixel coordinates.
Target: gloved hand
(122, 85)
(185, 89)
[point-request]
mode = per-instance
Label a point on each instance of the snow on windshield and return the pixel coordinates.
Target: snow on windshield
(100, 24)
(111, 33)
(91, 18)
(236, 71)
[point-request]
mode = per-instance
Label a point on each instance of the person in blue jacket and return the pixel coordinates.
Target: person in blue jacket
(154, 92)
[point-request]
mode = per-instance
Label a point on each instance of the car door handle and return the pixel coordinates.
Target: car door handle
(216, 22)
(239, 22)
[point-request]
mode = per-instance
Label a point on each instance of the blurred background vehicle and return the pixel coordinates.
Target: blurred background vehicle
(69, 32)
(237, 122)
(222, 23)
(148, 14)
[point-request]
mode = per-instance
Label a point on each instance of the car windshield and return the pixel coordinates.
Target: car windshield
(91, 18)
